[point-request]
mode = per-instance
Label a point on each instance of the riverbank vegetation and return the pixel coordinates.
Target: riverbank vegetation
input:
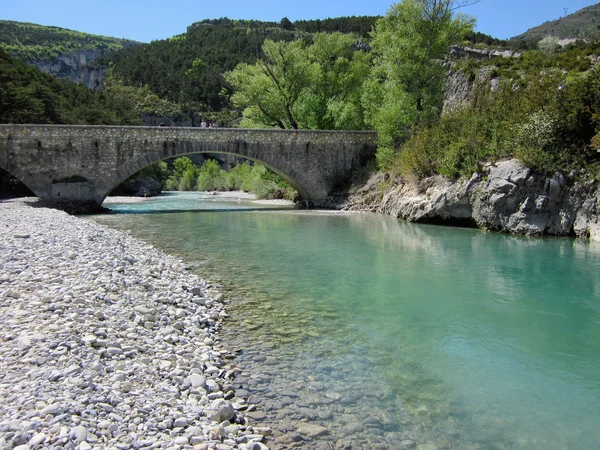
(541, 105)
(405, 89)
(182, 174)
(548, 118)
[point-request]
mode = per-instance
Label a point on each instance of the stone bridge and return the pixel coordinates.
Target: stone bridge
(82, 164)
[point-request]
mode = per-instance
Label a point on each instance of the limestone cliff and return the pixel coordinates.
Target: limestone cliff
(506, 197)
(74, 67)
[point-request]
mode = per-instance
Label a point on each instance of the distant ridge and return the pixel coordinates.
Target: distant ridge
(582, 24)
(33, 42)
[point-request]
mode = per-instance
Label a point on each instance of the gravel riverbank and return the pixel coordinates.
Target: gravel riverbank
(108, 343)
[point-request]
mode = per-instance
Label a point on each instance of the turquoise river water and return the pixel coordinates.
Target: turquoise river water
(396, 335)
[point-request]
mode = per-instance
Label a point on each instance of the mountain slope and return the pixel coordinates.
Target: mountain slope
(58, 51)
(30, 41)
(582, 24)
(188, 68)
(30, 96)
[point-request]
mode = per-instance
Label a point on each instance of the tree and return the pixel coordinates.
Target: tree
(184, 174)
(286, 24)
(405, 89)
(314, 85)
(270, 88)
(549, 45)
(333, 99)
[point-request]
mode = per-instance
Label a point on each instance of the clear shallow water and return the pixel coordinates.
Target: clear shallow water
(394, 334)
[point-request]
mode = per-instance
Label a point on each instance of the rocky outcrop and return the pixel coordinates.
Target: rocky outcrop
(459, 87)
(507, 197)
(481, 54)
(74, 67)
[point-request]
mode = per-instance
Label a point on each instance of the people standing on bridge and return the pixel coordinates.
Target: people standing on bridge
(203, 124)
(210, 124)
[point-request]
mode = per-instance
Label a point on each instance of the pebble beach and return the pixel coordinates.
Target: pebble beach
(108, 343)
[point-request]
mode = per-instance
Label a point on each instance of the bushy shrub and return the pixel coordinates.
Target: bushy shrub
(533, 138)
(211, 177)
(183, 175)
(188, 181)
(549, 119)
(419, 156)
(250, 178)
(549, 45)
(237, 175)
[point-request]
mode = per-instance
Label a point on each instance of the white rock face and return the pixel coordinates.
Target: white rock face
(74, 67)
(103, 345)
(506, 197)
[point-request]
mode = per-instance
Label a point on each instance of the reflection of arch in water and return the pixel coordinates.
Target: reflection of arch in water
(84, 163)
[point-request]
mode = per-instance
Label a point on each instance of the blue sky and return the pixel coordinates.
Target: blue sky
(152, 19)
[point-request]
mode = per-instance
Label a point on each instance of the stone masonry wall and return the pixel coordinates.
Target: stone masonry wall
(64, 162)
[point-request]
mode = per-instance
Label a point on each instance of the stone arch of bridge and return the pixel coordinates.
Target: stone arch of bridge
(295, 180)
(81, 164)
(23, 179)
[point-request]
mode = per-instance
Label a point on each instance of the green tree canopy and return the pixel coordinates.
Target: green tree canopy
(405, 88)
(316, 85)
(270, 88)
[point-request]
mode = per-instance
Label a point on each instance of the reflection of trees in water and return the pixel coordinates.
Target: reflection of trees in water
(533, 287)
(528, 306)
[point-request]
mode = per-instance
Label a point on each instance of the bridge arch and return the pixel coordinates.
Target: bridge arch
(18, 178)
(82, 163)
(296, 183)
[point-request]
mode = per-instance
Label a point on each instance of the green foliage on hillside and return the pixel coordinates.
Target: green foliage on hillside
(139, 99)
(544, 108)
(476, 37)
(575, 57)
(546, 116)
(356, 25)
(582, 24)
(30, 96)
(29, 41)
(187, 69)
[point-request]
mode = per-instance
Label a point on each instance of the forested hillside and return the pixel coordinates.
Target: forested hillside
(188, 69)
(542, 106)
(30, 96)
(351, 73)
(30, 41)
(582, 24)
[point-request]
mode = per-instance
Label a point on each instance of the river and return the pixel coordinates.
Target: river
(395, 335)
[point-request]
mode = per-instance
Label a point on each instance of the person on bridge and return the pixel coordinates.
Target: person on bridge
(203, 124)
